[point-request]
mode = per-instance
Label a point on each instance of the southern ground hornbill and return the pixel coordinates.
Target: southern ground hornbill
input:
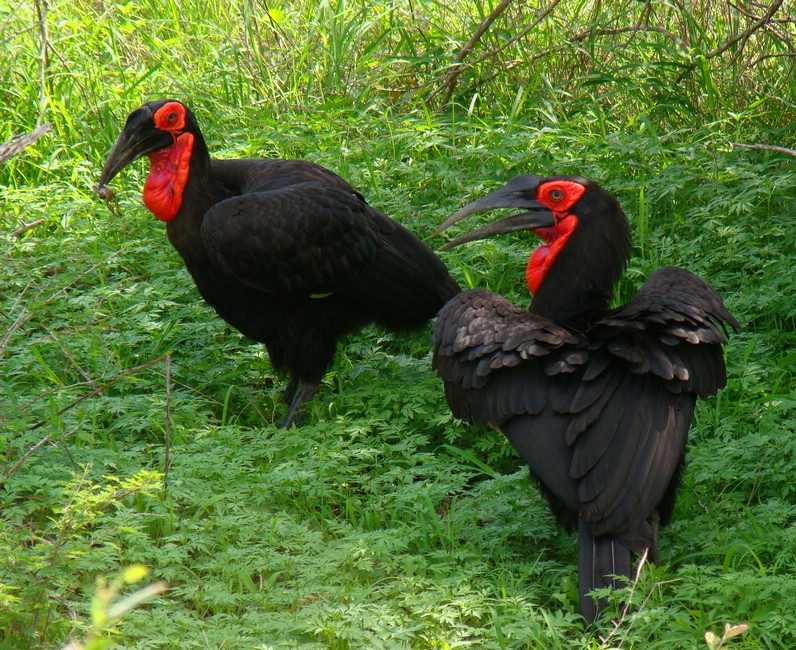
(285, 251)
(597, 401)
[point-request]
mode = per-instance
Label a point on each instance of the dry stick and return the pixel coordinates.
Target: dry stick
(28, 226)
(41, 10)
(511, 41)
(10, 13)
(766, 147)
(97, 391)
(770, 56)
(455, 71)
(744, 35)
(777, 21)
(23, 315)
(26, 455)
(66, 408)
(78, 384)
(773, 21)
(626, 608)
(65, 350)
(166, 459)
(591, 33)
(581, 36)
(81, 276)
(14, 145)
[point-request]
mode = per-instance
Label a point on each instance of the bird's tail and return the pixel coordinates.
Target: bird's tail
(599, 559)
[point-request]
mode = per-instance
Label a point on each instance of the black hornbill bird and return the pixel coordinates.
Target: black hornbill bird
(285, 251)
(597, 401)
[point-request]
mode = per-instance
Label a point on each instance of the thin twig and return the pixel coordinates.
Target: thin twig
(23, 315)
(166, 458)
(450, 79)
(778, 55)
(98, 390)
(81, 276)
(14, 145)
(28, 226)
(744, 35)
(626, 609)
(68, 407)
(26, 455)
(509, 42)
(41, 10)
(765, 147)
(65, 350)
(9, 15)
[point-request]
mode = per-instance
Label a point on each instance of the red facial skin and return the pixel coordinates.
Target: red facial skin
(559, 196)
(169, 167)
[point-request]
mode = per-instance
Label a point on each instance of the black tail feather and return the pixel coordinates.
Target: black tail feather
(599, 558)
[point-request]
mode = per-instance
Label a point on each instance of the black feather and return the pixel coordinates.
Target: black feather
(290, 254)
(597, 401)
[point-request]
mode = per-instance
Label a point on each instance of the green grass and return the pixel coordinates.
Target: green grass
(382, 522)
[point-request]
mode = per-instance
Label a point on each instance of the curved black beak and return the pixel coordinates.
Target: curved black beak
(519, 192)
(138, 138)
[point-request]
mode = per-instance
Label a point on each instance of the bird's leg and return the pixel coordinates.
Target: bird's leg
(655, 521)
(290, 391)
(304, 393)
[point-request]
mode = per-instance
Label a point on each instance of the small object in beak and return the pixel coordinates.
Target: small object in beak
(106, 193)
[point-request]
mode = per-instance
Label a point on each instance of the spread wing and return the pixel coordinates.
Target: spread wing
(508, 368)
(649, 359)
(601, 420)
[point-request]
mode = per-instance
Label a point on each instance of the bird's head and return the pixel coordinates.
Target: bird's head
(569, 213)
(165, 131)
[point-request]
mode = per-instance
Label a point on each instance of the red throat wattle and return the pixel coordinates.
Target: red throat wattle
(543, 257)
(168, 174)
(559, 196)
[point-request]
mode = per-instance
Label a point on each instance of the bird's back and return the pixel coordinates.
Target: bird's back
(400, 283)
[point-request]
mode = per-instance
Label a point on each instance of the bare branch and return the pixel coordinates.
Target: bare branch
(28, 226)
(98, 390)
(14, 145)
(459, 68)
(81, 276)
(521, 35)
(166, 458)
(450, 79)
(27, 455)
(19, 321)
(765, 147)
(744, 35)
(771, 56)
(70, 406)
(41, 9)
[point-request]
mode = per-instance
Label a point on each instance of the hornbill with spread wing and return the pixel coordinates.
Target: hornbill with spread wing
(285, 251)
(597, 401)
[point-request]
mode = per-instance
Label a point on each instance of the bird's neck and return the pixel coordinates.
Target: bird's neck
(202, 189)
(574, 283)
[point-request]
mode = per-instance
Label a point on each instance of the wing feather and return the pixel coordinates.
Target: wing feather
(498, 360)
(306, 238)
(601, 419)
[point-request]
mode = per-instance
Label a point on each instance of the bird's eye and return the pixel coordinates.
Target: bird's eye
(172, 117)
(556, 194)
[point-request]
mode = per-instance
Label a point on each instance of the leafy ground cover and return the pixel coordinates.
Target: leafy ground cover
(381, 523)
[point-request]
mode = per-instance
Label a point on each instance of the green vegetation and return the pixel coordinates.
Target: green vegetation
(382, 523)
